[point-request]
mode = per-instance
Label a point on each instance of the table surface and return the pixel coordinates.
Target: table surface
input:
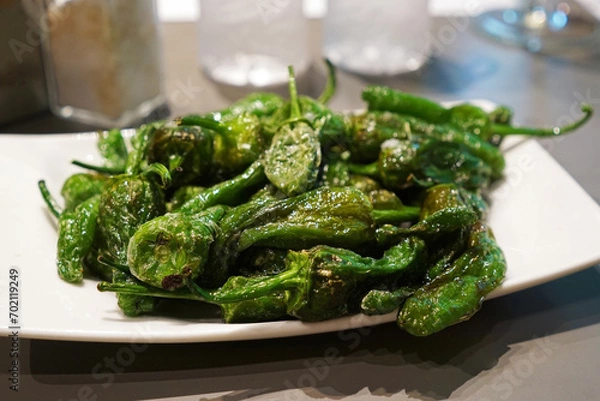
(541, 343)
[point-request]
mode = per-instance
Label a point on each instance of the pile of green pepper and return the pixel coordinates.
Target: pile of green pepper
(278, 209)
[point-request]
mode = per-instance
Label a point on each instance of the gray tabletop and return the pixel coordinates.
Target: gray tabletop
(540, 343)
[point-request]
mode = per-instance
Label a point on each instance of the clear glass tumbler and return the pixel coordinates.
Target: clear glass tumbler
(377, 37)
(103, 60)
(252, 42)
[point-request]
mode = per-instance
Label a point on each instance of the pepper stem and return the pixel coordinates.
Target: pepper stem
(294, 104)
(331, 84)
(98, 169)
(145, 290)
(503, 130)
(53, 206)
(209, 123)
(251, 290)
(106, 262)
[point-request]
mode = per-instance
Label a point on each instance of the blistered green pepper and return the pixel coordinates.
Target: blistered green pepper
(81, 186)
(76, 233)
(330, 216)
(456, 294)
(292, 161)
(464, 117)
(168, 249)
(443, 209)
(237, 144)
(186, 151)
(324, 282)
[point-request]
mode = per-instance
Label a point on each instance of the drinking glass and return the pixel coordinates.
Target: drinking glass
(250, 42)
(377, 37)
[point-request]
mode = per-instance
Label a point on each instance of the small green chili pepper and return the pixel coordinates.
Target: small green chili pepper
(186, 151)
(465, 117)
(238, 143)
(76, 233)
(80, 187)
(166, 250)
(456, 294)
(292, 161)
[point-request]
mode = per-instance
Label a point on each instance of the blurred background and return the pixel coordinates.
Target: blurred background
(73, 65)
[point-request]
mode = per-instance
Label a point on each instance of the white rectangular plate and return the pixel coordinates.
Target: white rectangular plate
(547, 225)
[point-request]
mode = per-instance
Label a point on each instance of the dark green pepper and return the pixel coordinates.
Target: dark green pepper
(323, 282)
(456, 294)
(186, 151)
(80, 187)
(168, 249)
(443, 209)
(76, 233)
(292, 161)
(329, 216)
(464, 117)
(237, 144)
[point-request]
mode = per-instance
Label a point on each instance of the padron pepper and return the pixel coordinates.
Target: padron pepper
(292, 161)
(237, 144)
(186, 151)
(457, 293)
(316, 284)
(168, 249)
(76, 233)
(465, 117)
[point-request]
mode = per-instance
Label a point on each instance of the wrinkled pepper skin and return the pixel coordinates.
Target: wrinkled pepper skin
(126, 203)
(80, 187)
(293, 159)
(444, 208)
(367, 131)
(329, 216)
(168, 249)
(439, 162)
(456, 294)
(323, 282)
(335, 277)
(292, 162)
(76, 231)
(185, 151)
(237, 143)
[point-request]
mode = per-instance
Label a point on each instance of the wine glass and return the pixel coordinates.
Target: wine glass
(543, 26)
